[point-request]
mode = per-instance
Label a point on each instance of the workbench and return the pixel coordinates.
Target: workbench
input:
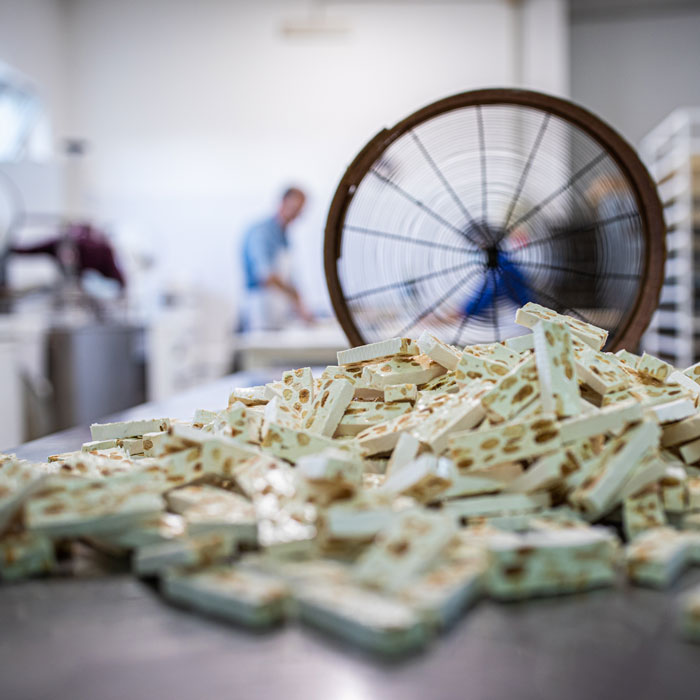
(102, 636)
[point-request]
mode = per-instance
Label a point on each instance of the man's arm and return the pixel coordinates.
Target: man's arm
(274, 280)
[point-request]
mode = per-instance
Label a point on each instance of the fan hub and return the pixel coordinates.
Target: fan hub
(493, 256)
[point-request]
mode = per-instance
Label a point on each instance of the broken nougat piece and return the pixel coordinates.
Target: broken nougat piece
(360, 415)
(75, 507)
(368, 619)
(442, 353)
(374, 351)
(126, 429)
(607, 419)
(504, 443)
(642, 511)
(551, 563)
(473, 366)
(327, 410)
(658, 557)
(403, 550)
(652, 367)
(400, 392)
(554, 358)
(25, 554)
(298, 390)
(602, 372)
(415, 369)
(516, 390)
(422, 479)
(249, 396)
(531, 313)
(191, 551)
(599, 493)
(232, 593)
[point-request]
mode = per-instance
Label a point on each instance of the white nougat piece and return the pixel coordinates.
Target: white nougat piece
(688, 384)
(689, 613)
(442, 353)
(191, 551)
(602, 372)
(672, 411)
(327, 410)
(374, 351)
(126, 429)
(400, 392)
(653, 367)
(153, 530)
(423, 479)
(405, 452)
(504, 443)
(384, 436)
(331, 465)
(627, 357)
(648, 471)
(77, 507)
(363, 516)
(99, 445)
(683, 431)
(506, 503)
(233, 593)
(674, 489)
(278, 413)
(693, 372)
(472, 367)
(531, 313)
(292, 444)
(658, 557)
(551, 563)
(554, 357)
(448, 415)
(450, 587)
(520, 343)
(403, 550)
(414, 369)
(599, 493)
(25, 554)
(368, 619)
(546, 472)
(19, 480)
(249, 396)
(690, 452)
(360, 415)
(495, 351)
(642, 511)
(298, 390)
(512, 393)
(478, 483)
(607, 419)
(241, 422)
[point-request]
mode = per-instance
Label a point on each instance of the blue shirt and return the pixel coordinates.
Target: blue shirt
(262, 243)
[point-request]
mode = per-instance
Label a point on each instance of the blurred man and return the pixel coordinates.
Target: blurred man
(270, 292)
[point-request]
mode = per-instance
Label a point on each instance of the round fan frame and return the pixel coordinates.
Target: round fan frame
(643, 188)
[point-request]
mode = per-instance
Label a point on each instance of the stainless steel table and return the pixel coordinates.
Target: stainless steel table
(112, 637)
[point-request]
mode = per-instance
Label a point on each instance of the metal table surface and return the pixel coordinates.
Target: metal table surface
(103, 637)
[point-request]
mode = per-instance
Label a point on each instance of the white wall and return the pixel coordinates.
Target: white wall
(634, 68)
(32, 40)
(198, 113)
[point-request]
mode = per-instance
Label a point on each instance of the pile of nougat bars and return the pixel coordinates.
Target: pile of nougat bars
(381, 500)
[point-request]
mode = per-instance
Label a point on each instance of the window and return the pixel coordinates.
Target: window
(23, 121)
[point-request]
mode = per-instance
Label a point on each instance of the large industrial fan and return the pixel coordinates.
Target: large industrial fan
(480, 202)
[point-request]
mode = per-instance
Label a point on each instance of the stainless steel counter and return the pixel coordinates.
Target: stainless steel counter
(113, 637)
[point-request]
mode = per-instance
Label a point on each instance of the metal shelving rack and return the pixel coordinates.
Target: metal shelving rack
(672, 154)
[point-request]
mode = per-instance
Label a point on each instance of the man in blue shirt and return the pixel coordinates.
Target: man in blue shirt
(268, 287)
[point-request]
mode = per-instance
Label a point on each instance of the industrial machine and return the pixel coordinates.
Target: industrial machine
(482, 201)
